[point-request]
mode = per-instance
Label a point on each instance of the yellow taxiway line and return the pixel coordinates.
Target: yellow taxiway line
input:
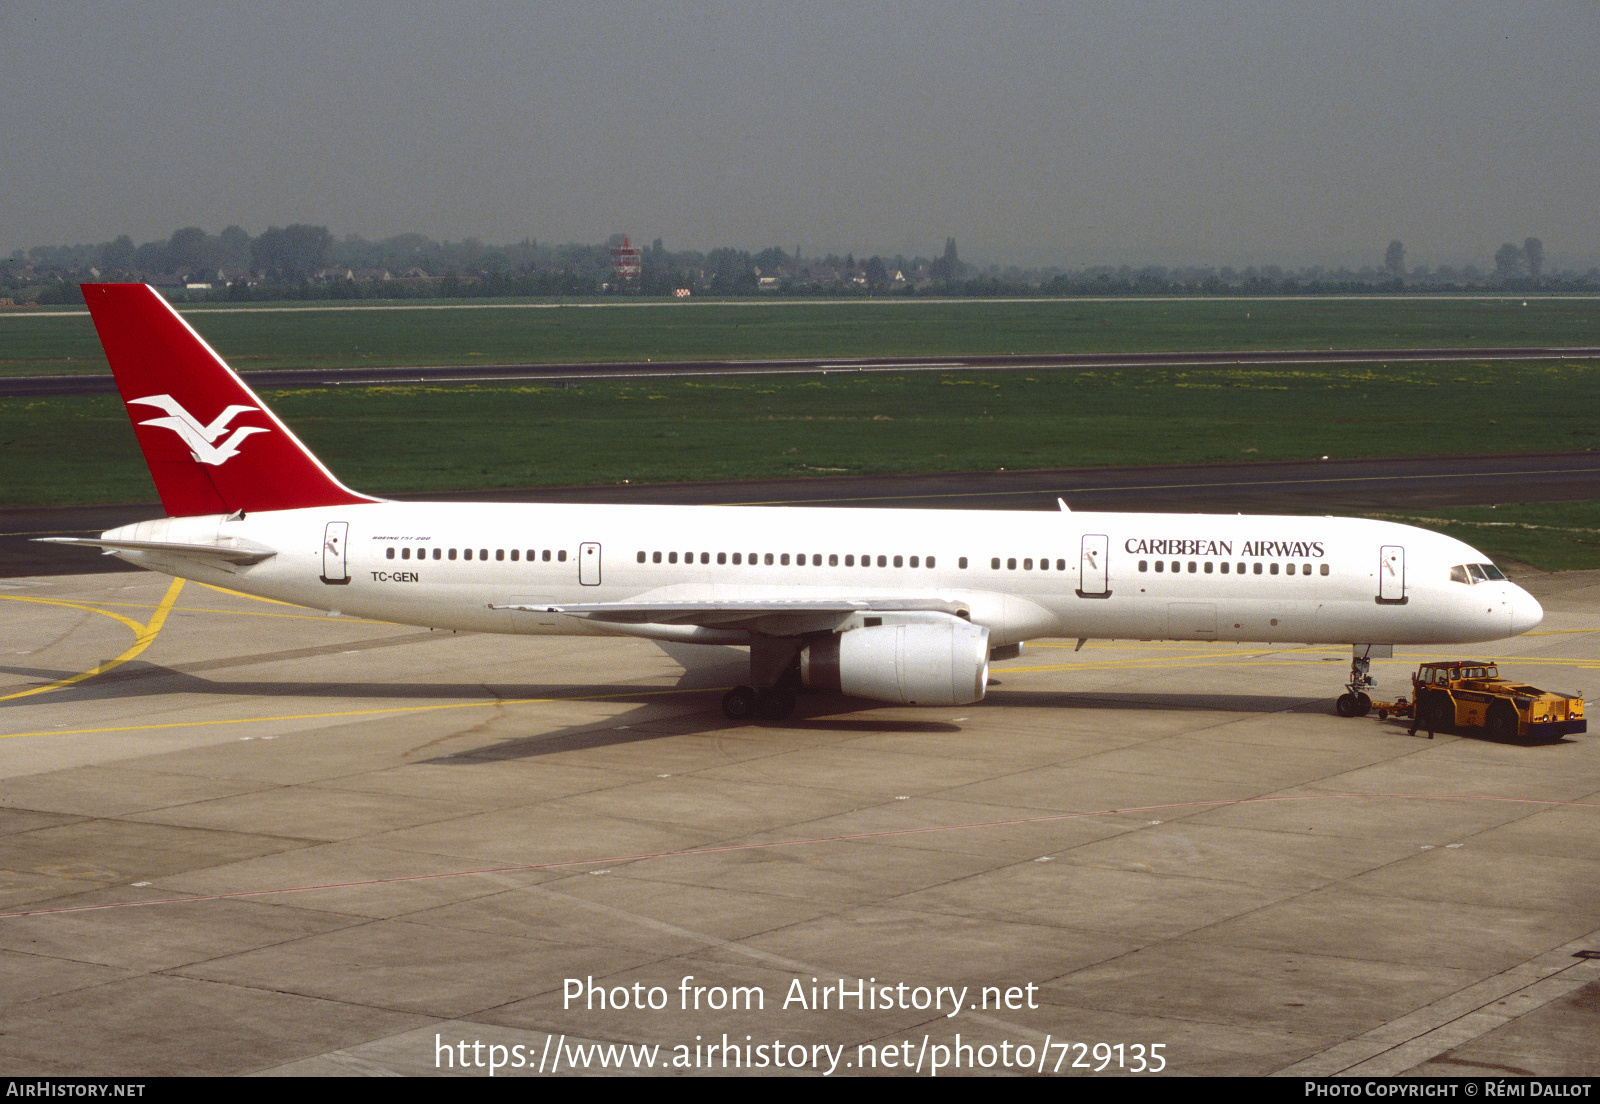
(143, 636)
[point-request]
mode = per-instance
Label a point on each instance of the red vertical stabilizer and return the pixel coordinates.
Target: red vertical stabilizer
(212, 446)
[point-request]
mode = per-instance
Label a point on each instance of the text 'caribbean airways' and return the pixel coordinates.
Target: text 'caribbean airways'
(1163, 546)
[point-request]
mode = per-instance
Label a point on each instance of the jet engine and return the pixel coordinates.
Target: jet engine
(942, 661)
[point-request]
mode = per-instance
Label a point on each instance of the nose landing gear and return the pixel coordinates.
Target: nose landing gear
(1356, 702)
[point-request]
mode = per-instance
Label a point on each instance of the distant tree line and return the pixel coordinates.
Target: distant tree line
(303, 261)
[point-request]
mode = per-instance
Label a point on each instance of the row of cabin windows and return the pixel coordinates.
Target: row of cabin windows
(1270, 569)
(560, 555)
(782, 559)
(1027, 564)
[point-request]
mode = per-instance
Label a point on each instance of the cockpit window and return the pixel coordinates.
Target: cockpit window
(1492, 571)
(1458, 574)
(1476, 571)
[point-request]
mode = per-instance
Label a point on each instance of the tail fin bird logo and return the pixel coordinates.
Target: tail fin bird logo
(201, 439)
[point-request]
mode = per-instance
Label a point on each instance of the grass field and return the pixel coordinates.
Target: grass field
(393, 440)
(1552, 536)
(387, 440)
(527, 334)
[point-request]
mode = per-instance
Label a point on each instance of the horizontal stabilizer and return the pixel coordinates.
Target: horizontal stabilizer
(234, 552)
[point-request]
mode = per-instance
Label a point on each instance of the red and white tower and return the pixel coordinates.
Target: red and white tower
(625, 263)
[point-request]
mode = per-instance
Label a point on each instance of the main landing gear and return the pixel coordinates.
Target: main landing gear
(774, 675)
(1356, 702)
(744, 702)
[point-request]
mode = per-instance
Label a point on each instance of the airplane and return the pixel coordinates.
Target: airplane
(889, 605)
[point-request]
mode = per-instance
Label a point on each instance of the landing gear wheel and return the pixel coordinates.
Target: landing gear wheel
(1348, 705)
(739, 704)
(775, 704)
(1363, 705)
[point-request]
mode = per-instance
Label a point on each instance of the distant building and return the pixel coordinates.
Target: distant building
(626, 262)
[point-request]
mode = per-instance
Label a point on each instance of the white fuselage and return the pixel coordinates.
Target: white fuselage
(1022, 575)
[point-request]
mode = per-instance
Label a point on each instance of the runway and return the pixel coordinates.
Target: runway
(1335, 486)
(101, 383)
(265, 840)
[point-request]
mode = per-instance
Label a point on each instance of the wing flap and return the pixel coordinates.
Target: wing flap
(800, 615)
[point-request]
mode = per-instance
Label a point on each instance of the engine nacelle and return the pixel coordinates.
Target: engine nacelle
(942, 661)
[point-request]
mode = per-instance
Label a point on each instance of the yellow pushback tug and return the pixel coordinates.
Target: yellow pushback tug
(1467, 693)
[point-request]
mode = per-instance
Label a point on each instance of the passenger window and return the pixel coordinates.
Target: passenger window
(1144, 565)
(736, 558)
(1288, 569)
(897, 561)
(783, 560)
(1011, 564)
(1305, 569)
(995, 563)
(390, 554)
(1208, 567)
(500, 554)
(1027, 564)
(1273, 569)
(930, 561)
(883, 561)
(1193, 567)
(1224, 566)
(517, 552)
(672, 557)
(452, 553)
(913, 561)
(1176, 567)
(769, 559)
(1061, 565)
(1241, 569)
(1161, 565)
(1257, 568)
(962, 563)
(546, 556)
(641, 557)
(562, 555)
(1324, 569)
(833, 559)
(483, 553)
(466, 553)
(722, 557)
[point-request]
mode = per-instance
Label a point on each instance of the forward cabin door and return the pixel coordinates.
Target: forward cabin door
(589, 564)
(335, 571)
(1392, 574)
(1093, 567)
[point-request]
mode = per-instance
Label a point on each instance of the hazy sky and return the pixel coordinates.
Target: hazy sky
(1034, 133)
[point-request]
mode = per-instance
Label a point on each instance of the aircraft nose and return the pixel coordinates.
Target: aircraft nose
(1526, 612)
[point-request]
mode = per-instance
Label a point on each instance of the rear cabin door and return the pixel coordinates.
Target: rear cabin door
(334, 537)
(1392, 574)
(1093, 569)
(589, 564)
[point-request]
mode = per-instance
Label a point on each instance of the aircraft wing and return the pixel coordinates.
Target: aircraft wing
(776, 617)
(237, 552)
